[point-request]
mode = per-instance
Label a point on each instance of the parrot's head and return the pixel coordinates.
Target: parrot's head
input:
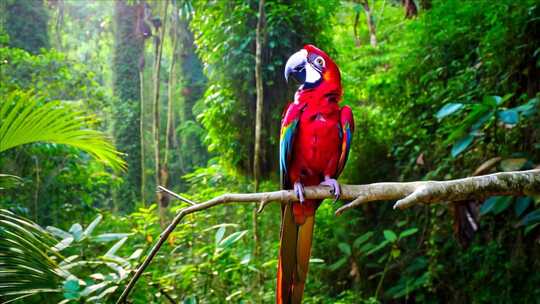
(315, 71)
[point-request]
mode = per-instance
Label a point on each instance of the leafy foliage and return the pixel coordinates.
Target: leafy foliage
(27, 119)
(441, 95)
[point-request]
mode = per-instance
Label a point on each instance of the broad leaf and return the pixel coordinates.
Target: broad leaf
(107, 237)
(461, 145)
(408, 232)
(115, 247)
(531, 218)
(493, 101)
(390, 235)
(219, 234)
(522, 203)
(88, 231)
(509, 117)
(232, 238)
(362, 239)
(77, 231)
(345, 248)
(488, 205)
(495, 204)
(513, 164)
(448, 109)
(338, 264)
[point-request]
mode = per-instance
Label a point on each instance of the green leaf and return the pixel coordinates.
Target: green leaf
(488, 205)
(408, 232)
(93, 288)
(219, 234)
(345, 248)
(461, 145)
(528, 109)
(502, 204)
(513, 164)
(88, 231)
(136, 254)
(10, 181)
(362, 239)
(107, 237)
(71, 288)
(58, 232)
(77, 231)
(509, 117)
(102, 294)
(493, 101)
(111, 252)
(495, 204)
(25, 118)
(232, 238)
(530, 228)
(522, 203)
(366, 247)
(246, 259)
(390, 235)
(531, 218)
(448, 109)
(63, 244)
(481, 121)
(395, 253)
(338, 264)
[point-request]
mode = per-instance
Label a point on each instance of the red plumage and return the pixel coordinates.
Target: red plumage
(315, 140)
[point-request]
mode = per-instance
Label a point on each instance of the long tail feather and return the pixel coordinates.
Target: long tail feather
(294, 256)
(287, 255)
(303, 252)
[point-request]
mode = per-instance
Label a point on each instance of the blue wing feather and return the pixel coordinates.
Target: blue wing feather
(289, 127)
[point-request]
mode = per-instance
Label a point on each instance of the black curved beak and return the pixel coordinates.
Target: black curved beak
(296, 66)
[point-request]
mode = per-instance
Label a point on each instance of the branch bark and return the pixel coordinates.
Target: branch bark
(408, 194)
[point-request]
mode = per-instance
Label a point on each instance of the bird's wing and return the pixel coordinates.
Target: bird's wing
(346, 133)
(289, 126)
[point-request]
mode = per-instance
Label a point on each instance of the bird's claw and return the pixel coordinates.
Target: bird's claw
(336, 189)
(299, 190)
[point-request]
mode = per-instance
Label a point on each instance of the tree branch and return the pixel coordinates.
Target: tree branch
(408, 194)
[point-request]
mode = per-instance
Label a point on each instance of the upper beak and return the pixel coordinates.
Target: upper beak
(296, 66)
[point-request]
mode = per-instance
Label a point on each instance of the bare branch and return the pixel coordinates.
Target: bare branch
(407, 194)
(176, 195)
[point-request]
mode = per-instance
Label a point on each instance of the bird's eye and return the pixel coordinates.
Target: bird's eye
(319, 61)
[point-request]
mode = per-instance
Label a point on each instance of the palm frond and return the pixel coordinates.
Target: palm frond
(24, 119)
(28, 265)
(9, 181)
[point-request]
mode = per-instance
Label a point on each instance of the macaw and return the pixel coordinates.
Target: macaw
(315, 141)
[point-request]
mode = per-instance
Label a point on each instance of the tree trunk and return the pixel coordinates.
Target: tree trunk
(355, 29)
(370, 24)
(169, 133)
(260, 97)
(411, 10)
(258, 121)
(128, 49)
(162, 201)
(26, 24)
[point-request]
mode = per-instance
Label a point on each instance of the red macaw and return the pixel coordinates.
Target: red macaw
(314, 146)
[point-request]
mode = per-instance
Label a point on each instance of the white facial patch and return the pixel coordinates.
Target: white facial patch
(312, 75)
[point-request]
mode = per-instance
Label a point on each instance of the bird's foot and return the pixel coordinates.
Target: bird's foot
(299, 190)
(336, 189)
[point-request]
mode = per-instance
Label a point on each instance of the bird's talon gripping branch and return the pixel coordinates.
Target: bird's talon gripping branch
(299, 190)
(336, 190)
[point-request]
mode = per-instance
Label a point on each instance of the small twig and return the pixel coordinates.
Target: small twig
(407, 194)
(176, 195)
